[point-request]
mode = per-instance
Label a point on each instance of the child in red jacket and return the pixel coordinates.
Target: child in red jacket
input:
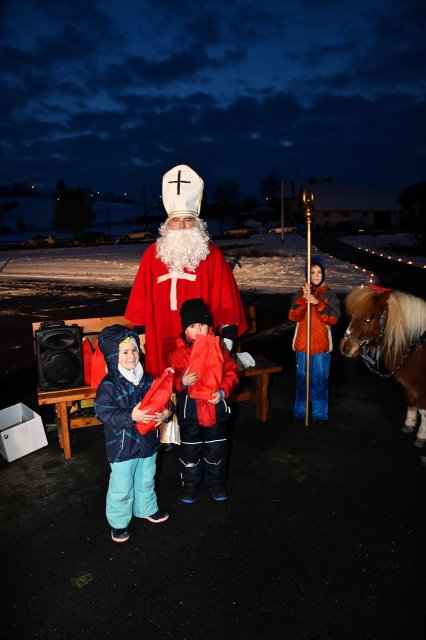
(203, 423)
(325, 312)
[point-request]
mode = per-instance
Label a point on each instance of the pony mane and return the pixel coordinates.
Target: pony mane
(405, 321)
(360, 301)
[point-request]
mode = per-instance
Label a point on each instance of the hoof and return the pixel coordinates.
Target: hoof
(408, 429)
(420, 443)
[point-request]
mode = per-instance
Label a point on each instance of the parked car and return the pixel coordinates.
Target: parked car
(89, 237)
(243, 231)
(287, 229)
(136, 236)
(39, 241)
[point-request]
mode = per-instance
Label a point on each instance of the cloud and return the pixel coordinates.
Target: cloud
(111, 94)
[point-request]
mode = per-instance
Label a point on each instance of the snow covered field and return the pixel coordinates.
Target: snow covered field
(279, 270)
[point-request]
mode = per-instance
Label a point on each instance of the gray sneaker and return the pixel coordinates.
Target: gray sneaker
(157, 517)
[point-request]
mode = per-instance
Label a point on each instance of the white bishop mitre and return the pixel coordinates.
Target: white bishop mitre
(182, 191)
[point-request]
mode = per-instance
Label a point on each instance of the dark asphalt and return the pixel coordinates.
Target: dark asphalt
(323, 537)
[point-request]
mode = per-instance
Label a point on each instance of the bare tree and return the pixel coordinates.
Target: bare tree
(73, 211)
(226, 193)
(270, 187)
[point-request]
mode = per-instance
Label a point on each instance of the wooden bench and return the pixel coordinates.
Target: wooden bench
(259, 374)
(90, 327)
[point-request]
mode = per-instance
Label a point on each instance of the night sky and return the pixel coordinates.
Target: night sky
(112, 94)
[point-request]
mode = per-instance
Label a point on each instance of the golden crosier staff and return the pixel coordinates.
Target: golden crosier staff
(308, 198)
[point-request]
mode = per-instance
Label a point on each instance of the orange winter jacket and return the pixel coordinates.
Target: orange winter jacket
(323, 315)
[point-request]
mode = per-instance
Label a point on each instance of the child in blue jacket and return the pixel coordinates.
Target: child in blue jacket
(132, 456)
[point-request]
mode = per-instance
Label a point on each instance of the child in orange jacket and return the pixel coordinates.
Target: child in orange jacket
(203, 423)
(325, 312)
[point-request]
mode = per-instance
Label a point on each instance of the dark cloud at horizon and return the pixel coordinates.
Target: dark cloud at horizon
(112, 94)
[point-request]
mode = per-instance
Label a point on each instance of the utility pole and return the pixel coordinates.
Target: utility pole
(282, 209)
(145, 212)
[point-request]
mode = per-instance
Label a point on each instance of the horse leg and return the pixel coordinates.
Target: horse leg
(421, 434)
(410, 420)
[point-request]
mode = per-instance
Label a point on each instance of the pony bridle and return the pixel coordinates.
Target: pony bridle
(363, 344)
(371, 363)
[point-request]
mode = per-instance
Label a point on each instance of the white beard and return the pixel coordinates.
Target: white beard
(181, 249)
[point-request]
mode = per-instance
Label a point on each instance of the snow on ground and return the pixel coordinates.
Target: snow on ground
(280, 271)
(384, 246)
(284, 271)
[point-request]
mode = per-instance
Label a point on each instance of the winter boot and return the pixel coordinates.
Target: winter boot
(192, 477)
(215, 477)
(189, 494)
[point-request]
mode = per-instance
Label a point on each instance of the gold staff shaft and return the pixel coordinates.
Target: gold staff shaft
(308, 198)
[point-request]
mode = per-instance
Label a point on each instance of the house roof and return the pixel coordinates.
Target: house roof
(339, 197)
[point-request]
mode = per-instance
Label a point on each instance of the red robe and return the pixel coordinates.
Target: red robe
(155, 304)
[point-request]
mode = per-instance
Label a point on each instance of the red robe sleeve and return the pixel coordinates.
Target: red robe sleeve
(142, 289)
(223, 296)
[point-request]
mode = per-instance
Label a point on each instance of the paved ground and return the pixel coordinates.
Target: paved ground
(323, 537)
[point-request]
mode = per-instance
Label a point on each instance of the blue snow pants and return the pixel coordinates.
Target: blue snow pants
(318, 387)
(131, 491)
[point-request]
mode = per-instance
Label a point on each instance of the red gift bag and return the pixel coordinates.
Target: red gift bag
(156, 398)
(207, 360)
(87, 360)
(99, 368)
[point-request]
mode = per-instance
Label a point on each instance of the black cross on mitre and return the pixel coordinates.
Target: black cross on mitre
(179, 181)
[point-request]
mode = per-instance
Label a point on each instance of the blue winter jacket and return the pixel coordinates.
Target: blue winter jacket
(115, 399)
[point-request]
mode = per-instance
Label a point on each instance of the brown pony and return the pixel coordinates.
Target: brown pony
(390, 326)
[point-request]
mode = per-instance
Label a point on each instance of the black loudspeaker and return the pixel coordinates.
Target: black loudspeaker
(59, 356)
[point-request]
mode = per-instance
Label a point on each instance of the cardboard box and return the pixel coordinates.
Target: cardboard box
(21, 432)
